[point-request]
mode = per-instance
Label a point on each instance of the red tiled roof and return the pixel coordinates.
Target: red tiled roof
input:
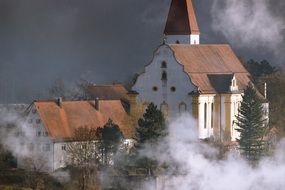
(181, 19)
(108, 92)
(61, 121)
(201, 61)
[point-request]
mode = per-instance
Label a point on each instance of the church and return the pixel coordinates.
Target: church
(204, 80)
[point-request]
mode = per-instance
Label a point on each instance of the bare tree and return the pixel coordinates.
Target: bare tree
(58, 89)
(83, 157)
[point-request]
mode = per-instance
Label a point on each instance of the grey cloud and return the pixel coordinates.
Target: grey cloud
(248, 23)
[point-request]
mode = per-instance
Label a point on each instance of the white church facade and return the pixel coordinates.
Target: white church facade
(205, 80)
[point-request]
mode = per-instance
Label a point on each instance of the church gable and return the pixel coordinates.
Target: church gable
(164, 81)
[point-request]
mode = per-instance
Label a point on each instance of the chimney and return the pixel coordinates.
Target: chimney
(132, 97)
(59, 101)
(97, 106)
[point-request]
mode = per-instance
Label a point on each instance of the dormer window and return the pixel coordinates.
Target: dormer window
(164, 76)
(163, 64)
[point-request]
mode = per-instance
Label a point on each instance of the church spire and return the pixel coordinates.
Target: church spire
(181, 25)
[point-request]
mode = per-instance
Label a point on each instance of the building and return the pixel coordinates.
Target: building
(205, 80)
(51, 126)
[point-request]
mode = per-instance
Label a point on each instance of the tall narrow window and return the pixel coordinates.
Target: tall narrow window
(163, 76)
(205, 115)
(163, 64)
(212, 115)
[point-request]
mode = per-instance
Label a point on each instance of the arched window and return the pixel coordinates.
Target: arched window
(164, 76)
(212, 115)
(177, 42)
(182, 107)
(205, 115)
(163, 64)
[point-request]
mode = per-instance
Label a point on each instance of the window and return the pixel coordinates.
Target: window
(163, 64)
(177, 42)
(45, 134)
(63, 147)
(182, 107)
(34, 111)
(212, 115)
(38, 121)
(205, 115)
(164, 76)
(154, 88)
(173, 89)
(38, 133)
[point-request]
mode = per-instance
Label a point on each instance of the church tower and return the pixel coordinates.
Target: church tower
(181, 26)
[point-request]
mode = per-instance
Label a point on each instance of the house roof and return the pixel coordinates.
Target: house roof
(61, 121)
(208, 65)
(181, 19)
(108, 92)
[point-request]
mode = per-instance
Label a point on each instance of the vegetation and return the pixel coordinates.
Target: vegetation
(259, 69)
(150, 131)
(263, 72)
(251, 125)
(110, 137)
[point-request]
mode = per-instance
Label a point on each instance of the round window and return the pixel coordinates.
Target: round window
(154, 88)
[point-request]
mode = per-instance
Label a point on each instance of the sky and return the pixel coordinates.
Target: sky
(106, 41)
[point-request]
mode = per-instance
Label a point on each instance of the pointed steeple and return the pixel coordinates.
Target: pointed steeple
(181, 25)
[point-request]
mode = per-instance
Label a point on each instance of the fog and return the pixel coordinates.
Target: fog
(199, 169)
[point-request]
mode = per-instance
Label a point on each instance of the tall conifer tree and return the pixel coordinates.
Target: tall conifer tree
(251, 125)
(151, 129)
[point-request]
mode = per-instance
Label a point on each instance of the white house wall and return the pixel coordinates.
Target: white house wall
(206, 130)
(176, 78)
(37, 143)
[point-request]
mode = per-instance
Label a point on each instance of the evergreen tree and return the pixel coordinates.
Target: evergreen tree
(251, 125)
(151, 129)
(110, 137)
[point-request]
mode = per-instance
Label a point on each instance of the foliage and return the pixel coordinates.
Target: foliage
(150, 131)
(7, 160)
(110, 137)
(83, 156)
(151, 127)
(259, 69)
(251, 125)
(276, 97)
(264, 72)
